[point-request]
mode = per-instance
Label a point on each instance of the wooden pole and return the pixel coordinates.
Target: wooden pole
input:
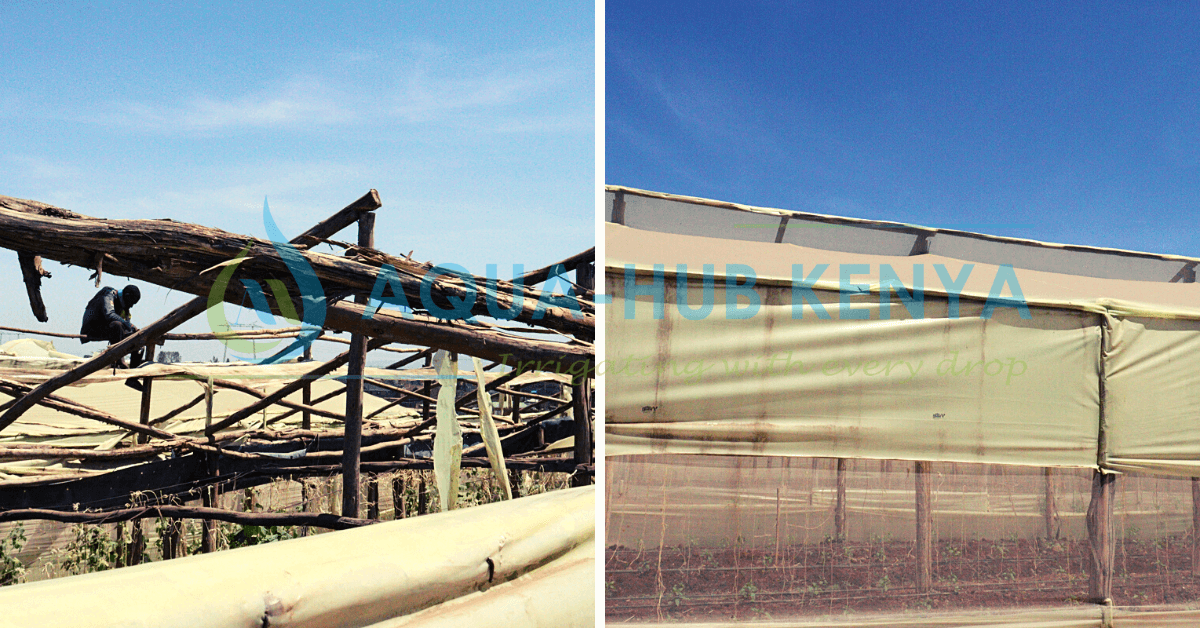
(32, 272)
(289, 388)
(1050, 512)
(839, 506)
(373, 498)
(397, 497)
(354, 392)
(422, 497)
(1101, 540)
(1195, 526)
(924, 542)
(144, 416)
(208, 539)
(137, 544)
(306, 424)
(581, 406)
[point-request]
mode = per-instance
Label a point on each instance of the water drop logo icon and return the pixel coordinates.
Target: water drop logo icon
(312, 298)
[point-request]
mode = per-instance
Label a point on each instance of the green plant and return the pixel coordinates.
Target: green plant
(748, 592)
(884, 583)
(677, 596)
(760, 613)
(244, 536)
(91, 549)
(922, 604)
(12, 570)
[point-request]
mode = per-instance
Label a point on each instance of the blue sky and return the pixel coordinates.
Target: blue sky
(474, 120)
(1068, 121)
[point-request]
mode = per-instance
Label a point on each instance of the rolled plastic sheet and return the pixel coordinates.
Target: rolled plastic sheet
(346, 579)
(559, 594)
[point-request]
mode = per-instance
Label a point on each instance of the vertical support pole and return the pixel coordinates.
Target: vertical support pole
(351, 450)
(397, 497)
(144, 416)
(208, 540)
(514, 481)
(426, 390)
(581, 408)
(373, 499)
(1101, 541)
(839, 506)
(585, 277)
(122, 547)
(422, 497)
(1195, 526)
(924, 529)
(778, 507)
(137, 543)
(1050, 513)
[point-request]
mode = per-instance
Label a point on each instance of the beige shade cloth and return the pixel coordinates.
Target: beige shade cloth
(1152, 378)
(346, 579)
(892, 384)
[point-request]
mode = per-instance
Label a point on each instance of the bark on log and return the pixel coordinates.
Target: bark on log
(569, 264)
(183, 256)
(32, 272)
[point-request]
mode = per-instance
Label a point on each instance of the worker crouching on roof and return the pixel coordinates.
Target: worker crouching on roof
(107, 318)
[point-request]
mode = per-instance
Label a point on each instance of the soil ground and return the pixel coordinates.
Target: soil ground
(694, 584)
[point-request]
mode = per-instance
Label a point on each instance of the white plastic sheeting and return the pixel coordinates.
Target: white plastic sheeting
(352, 578)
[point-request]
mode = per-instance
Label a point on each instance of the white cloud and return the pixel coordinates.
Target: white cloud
(422, 84)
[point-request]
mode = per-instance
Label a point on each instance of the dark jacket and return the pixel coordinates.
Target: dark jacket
(102, 311)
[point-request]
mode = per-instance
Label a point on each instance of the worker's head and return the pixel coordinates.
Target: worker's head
(130, 295)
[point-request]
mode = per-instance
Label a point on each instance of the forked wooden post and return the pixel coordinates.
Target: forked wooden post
(351, 454)
(924, 528)
(839, 506)
(1101, 541)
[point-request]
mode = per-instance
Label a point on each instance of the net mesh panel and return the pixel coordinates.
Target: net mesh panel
(699, 538)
